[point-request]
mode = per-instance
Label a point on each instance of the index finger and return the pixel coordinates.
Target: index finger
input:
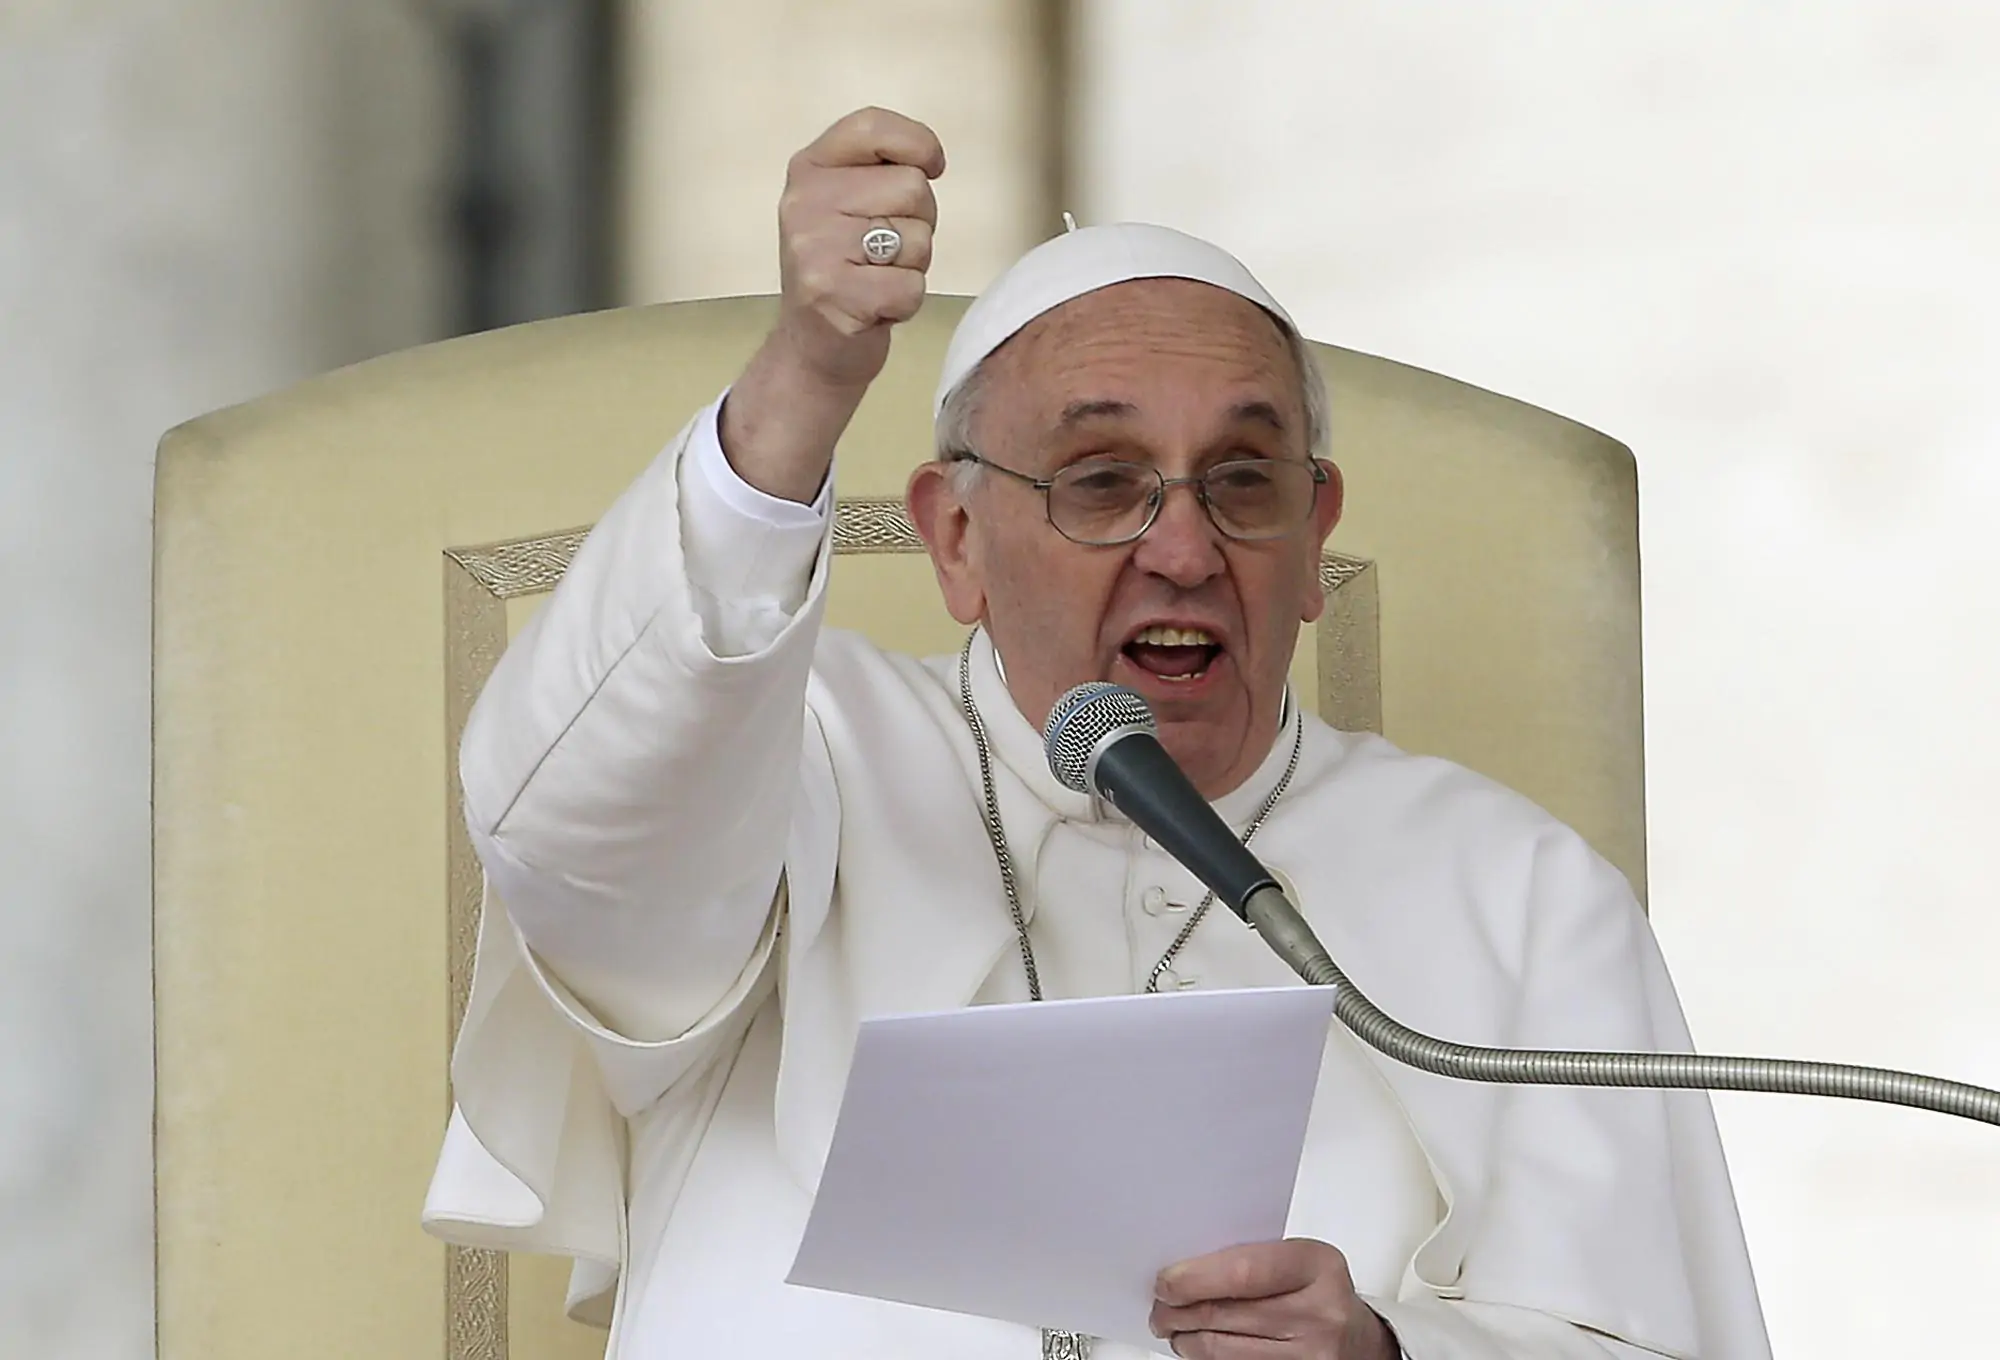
(1261, 1270)
(876, 137)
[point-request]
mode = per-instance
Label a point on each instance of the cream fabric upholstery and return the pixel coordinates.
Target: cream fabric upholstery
(339, 564)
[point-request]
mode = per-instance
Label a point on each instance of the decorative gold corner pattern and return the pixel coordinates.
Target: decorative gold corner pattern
(1349, 645)
(1337, 569)
(521, 566)
(873, 524)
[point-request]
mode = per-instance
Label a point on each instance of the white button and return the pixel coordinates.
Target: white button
(1154, 900)
(1170, 981)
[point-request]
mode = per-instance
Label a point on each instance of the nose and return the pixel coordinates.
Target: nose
(1182, 545)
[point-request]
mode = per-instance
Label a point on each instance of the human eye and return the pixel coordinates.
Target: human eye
(1101, 477)
(1247, 476)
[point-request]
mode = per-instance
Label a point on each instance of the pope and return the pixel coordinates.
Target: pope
(717, 835)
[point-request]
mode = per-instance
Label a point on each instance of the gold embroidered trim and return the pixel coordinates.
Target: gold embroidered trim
(1337, 569)
(861, 524)
(873, 524)
(476, 582)
(520, 566)
(475, 1287)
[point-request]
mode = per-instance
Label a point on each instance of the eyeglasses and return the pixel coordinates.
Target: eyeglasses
(1101, 502)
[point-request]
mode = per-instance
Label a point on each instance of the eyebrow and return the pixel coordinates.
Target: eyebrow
(1261, 412)
(1078, 412)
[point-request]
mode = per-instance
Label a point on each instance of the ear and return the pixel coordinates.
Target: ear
(946, 529)
(1326, 514)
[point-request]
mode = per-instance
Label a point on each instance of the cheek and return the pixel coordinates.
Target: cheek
(1056, 590)
(1277, 591)
(1304, 595)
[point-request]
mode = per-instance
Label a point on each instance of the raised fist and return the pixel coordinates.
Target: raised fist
(870, 170)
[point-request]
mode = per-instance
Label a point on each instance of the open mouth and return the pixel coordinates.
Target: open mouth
(1173, 654)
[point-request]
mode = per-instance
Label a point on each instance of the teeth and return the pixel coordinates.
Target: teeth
(1158, 636)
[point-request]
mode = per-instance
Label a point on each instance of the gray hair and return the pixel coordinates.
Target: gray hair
(953, 429)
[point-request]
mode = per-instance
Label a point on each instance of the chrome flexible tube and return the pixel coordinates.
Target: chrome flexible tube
(1286, 931)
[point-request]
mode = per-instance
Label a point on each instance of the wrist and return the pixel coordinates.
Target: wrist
(781, 420)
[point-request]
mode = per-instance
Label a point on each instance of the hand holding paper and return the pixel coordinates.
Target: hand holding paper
(1041, 1163)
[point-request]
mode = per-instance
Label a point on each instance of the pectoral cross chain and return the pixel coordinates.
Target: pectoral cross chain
(1064, 1345)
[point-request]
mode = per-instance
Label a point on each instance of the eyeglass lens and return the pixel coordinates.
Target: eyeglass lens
(1113, 502)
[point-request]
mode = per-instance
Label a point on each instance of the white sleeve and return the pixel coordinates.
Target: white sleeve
(749, 556)
(1434, 1329)
(628, 783)
(632, 776)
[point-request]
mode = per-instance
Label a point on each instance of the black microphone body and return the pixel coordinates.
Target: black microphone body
(1134, 773)
(1101, 738)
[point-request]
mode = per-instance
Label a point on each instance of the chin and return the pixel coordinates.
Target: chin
(1205, 752)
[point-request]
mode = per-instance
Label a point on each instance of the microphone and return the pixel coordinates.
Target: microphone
(1101, 738)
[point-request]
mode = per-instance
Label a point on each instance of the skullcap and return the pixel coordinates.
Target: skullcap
(1083, 261)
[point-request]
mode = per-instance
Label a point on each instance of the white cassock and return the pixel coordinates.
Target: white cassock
(654, 1054)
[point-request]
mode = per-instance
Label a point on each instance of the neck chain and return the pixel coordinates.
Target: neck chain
(1061, 1345)
(997, 833)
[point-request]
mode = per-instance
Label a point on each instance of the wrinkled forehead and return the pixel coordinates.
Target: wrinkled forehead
(1206, 343)
(1158, 311)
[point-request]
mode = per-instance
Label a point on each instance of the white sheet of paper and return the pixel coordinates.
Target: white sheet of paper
(1042, 1162)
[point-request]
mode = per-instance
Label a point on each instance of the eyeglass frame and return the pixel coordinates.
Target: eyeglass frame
(1321, 477)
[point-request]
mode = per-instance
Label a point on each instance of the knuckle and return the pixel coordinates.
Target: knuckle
(816, 282)
(1327, 1263)
(914, 188)
(843, 322)
(908, 299)
(817, 244)
(916, 253)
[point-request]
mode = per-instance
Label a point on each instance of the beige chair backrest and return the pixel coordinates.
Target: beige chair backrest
(338, 566)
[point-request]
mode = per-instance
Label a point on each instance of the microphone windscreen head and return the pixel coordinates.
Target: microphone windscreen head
(1079, 723)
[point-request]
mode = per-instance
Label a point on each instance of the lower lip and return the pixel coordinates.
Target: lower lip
(1160, 690)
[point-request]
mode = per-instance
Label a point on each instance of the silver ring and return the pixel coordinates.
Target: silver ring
(882, 245)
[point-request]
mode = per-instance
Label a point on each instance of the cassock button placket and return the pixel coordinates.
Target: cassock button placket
(1057, 1344)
